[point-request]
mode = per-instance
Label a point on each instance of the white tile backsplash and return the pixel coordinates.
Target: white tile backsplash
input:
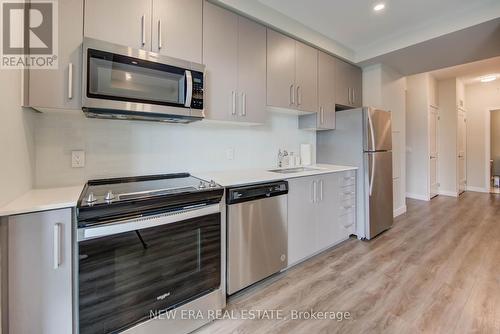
(121, 148)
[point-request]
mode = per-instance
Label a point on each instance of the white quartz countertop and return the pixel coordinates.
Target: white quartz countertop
(253, 176)
(42, 200)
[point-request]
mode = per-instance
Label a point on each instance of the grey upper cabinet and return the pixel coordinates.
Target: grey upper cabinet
(124, 22)
(306, 77)
(177, 28)
(40, 272)
(348, 79)
(292, 73)
(234, 52)
(280, 70)
(251, 71)
(326, 92)
(60, 88)
(220, 56)
(324, 119)
(169, 27)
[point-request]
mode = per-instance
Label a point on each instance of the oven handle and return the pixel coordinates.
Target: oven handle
(189, 89)
(145, 222)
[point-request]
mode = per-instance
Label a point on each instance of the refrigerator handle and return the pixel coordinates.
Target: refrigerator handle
(372, 174)
(372, 134)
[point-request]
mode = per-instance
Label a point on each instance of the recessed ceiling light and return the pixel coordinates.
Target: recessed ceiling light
(488, 78)
(378, 7)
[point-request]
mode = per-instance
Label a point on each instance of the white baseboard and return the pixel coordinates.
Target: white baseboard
(478, 189)
(400, 211)
(417, 196)
(448, 193)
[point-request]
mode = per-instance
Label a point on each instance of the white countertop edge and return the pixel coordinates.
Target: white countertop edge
(255, 176)
(36, 200)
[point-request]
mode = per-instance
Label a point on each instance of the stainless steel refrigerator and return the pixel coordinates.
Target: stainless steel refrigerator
(363, 138)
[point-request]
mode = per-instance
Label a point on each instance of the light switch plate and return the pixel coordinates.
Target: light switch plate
(77, 159)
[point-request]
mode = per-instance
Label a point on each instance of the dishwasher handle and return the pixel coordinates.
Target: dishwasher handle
(255, 192)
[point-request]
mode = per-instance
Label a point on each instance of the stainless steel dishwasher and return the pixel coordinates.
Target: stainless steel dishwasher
(257, 233)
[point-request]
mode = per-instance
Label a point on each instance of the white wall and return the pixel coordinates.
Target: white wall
(16, 140)
(447, 141)
(121, 148)
(420, 95)
(385, 88)
(479, 98)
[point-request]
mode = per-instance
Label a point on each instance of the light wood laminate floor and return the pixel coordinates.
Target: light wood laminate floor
(436, 271)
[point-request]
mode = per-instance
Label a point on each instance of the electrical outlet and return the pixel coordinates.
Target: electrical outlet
(230, 154)
(77, 159)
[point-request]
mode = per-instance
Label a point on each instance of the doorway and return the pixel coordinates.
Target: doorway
(462, 151)
(433, 151)
(495, 151)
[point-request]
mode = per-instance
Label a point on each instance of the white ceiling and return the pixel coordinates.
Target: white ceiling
(402, 23)
(471, 72)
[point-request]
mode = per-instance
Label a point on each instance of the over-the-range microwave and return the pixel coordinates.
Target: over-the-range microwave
(125, 83)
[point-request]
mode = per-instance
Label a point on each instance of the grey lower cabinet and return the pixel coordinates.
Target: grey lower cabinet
(348, 84)
(40, 273)
(169, 27)
(292, 73)
(324, 119)
(60, 89)
(314, 222)
(234, 53)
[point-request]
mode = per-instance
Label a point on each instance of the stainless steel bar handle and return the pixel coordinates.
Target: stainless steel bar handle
(145, 222)
(321, 190)
(292, 95)
(372, 173)
(159, 36)
(243, 104)
(321, 115)
(57, 245)
(143, 30)
(353, 96)
(313, 192)
(299, 95)
(70, 81)
(189, 89)
(233, 103)
(349, 95)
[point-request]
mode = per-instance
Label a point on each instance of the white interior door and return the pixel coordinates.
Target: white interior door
(462, 151)
(433, 151)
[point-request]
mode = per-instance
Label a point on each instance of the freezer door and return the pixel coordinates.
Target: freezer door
(378, 166)
(378, 133)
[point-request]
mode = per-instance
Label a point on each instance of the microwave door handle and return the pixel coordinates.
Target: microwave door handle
(189, 89)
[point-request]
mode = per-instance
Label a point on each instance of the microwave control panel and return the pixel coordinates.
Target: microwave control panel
(197, 102)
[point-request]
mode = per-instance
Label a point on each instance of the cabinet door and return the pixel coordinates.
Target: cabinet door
(342, 82)
(326, 91)
(280, 70)
(356, 86)
(61, 88)
(251, 71)
(302, 227)
(306, 77)
(124, 22)
(177, 28)
(330, 230)
(40, 293)
(220, 56)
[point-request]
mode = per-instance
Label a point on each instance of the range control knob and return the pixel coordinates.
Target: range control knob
(91, 198)
(212, 184)
(109, 196)
(202, 185)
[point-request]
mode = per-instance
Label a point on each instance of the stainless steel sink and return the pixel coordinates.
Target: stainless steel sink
(293, 170)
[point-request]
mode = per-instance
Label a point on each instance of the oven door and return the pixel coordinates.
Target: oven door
(121, 78)
(155, 265)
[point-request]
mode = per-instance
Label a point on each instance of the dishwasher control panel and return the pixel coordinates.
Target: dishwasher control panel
(254, 192)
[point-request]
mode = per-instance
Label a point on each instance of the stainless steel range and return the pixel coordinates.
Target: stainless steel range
(147, 246)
